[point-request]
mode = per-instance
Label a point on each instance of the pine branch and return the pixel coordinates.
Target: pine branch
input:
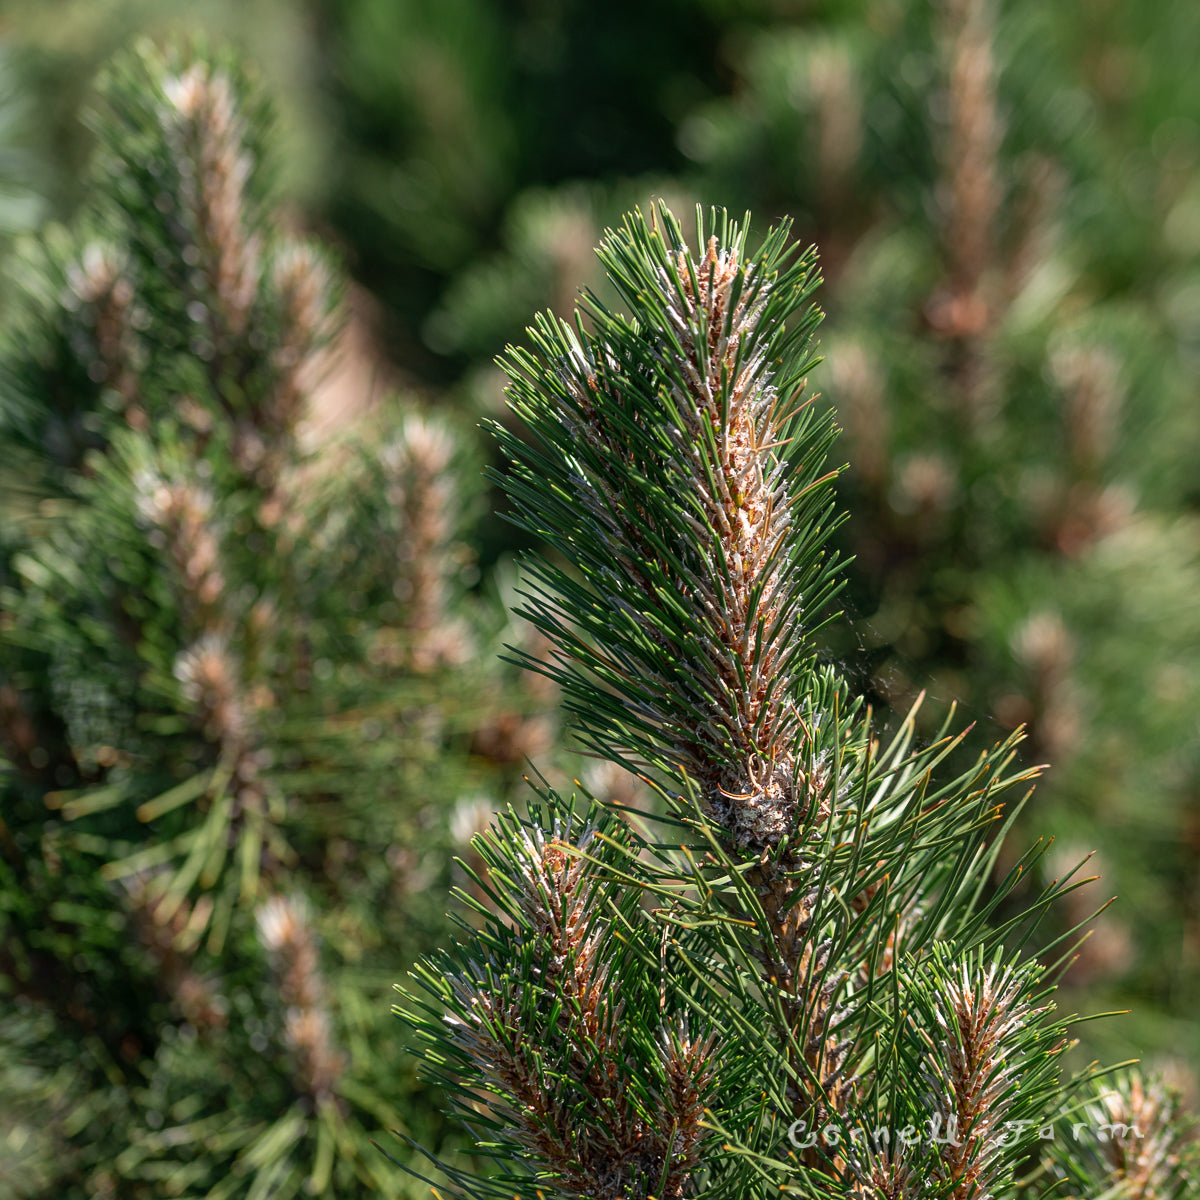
(557, 1034)
(691, 597)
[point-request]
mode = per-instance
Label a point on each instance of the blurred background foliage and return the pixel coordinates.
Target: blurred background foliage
(1006, 197)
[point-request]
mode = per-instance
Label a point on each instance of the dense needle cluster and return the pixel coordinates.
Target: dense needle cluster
(99, 283)
(706, 569)
(422, 494)
(202, 125)
(285, 930)
(550, 1049)
(1145, 1138)
(978, 1017)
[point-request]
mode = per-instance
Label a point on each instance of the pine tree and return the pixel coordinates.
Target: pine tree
(238, 694)
(795, 969)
